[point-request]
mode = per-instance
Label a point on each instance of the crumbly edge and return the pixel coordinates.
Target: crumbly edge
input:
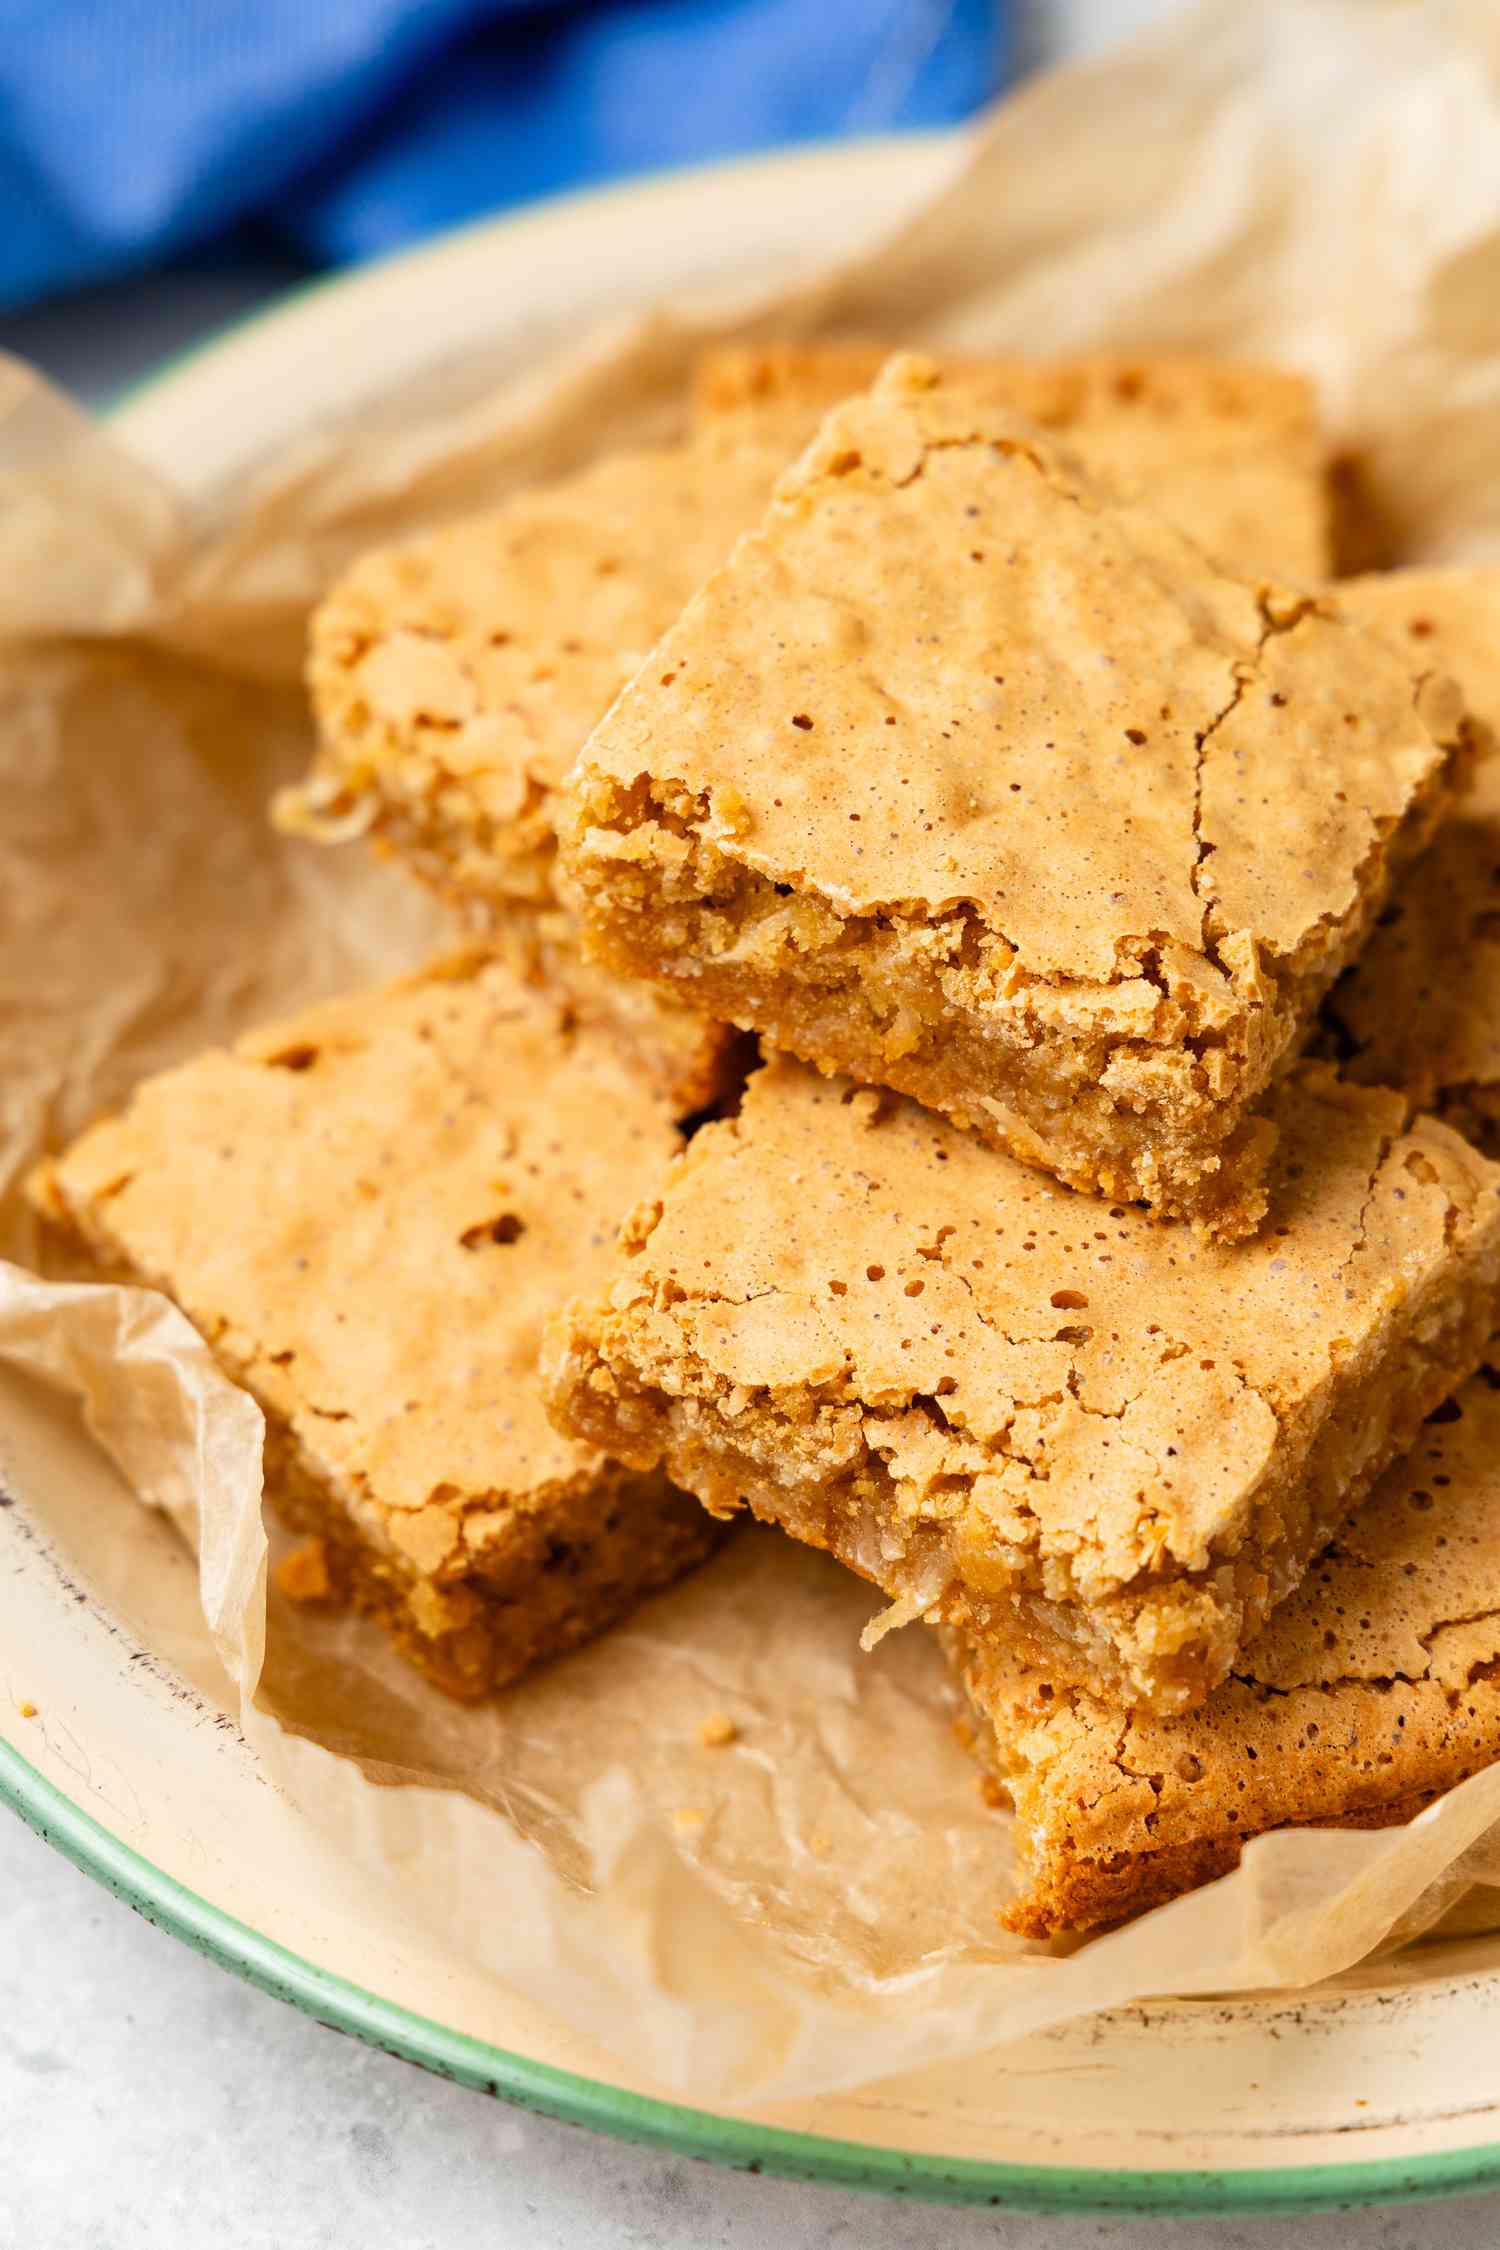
(1164, 1641)
(504, 901)
(436, 828)
(496, 877)
(1357, 1773)
(578, 1568)
(1068, 1889)
(370, 780)
(938, 1008)
(573, 1561)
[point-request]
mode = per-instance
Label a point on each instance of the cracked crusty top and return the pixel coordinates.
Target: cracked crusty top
(1052, 1371)
(946, 671)
(1422, 1002)
(1232, 453)
(369, 1212)
(467, 667)
(1354, 1694)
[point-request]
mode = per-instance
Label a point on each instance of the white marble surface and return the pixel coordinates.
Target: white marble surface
(148, 2101)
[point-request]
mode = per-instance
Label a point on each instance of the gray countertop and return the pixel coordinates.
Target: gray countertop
(151, 2102)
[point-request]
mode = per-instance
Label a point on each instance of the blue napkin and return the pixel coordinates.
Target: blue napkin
(134, 130)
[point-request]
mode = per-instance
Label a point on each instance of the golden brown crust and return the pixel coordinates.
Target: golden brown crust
(454, 677)
(370, 1212)
(967, 780)
(1232, 453)
(1372, 1690)
(1062, 1427)
(1084, 1894)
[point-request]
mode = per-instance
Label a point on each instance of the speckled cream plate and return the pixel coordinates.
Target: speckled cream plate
(1387, 2087)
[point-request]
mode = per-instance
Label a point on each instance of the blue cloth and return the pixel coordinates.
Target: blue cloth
(135, 130)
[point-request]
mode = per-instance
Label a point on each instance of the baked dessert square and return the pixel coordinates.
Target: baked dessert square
(455, 677)
(369, 1212)
(1369, 1693)
(1420, 1008)
(967, 780)
(1233, 453)
(1105, 1447)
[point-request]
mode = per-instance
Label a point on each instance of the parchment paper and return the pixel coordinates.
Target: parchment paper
(1316, 182)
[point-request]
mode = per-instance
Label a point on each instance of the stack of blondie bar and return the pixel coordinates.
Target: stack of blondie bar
(1101, 1255)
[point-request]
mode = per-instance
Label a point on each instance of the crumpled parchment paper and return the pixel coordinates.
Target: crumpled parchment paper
(1312, 181)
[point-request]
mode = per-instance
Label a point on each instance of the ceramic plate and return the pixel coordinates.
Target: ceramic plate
(1387, 2086)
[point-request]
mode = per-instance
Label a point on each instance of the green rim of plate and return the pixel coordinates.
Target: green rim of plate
(741, 2144)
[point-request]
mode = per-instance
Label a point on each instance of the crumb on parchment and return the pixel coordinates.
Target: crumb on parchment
(717, 1731)
(302, 1575)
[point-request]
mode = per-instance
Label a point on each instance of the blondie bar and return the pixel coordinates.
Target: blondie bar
(1107, 1447)
(369, 1212)
(969, 781)
(1420, 1008)
(454, 678)
(1234, 454)
(1375, 1688)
